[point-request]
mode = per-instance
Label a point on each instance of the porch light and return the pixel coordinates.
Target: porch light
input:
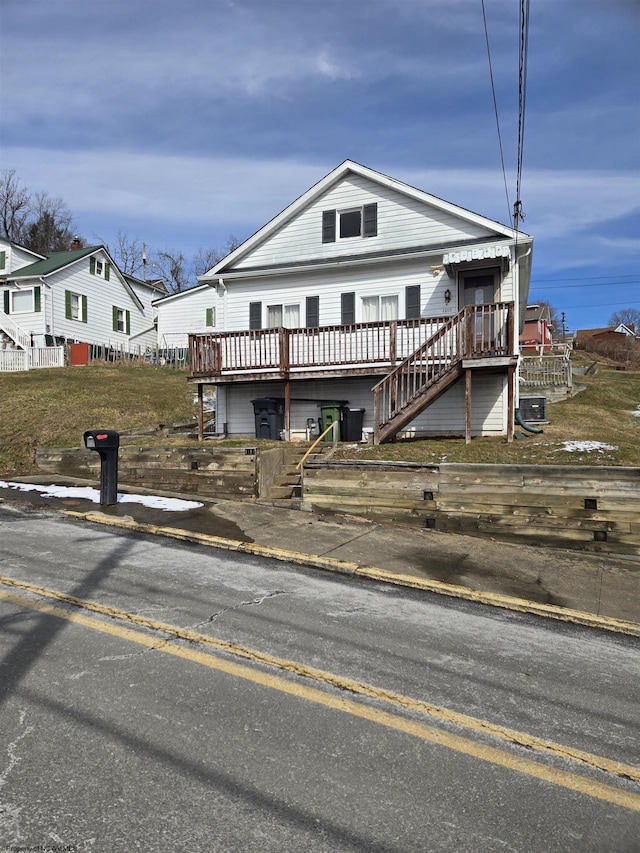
(447, 296)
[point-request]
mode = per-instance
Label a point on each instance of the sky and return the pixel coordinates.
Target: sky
(182, 122)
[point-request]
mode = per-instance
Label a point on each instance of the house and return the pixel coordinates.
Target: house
(371, 294)
(536, 337)
(74, 296)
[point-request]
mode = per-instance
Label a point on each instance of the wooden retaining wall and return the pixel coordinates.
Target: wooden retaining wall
(208, 471)
(589, 508)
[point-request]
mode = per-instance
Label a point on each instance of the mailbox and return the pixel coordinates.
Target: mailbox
(105, 442)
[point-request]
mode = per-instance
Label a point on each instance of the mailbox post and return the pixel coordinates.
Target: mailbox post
(105, 442)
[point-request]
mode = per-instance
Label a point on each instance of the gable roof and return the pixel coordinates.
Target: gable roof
(55, 262)
(5, 241)
(338, 174)
(60, 260)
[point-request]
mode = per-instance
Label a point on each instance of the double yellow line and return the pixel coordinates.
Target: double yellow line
(458, 743)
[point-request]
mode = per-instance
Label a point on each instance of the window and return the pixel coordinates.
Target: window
(210, 317)
(75, 306)
(350, 223)
(121, 320)
(375, 308)
(283, 315)
(22, 301)
(98, 267)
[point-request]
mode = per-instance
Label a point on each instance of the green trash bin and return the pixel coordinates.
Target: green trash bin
(329, 412)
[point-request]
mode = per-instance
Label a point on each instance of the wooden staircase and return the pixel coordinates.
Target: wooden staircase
(477, 332)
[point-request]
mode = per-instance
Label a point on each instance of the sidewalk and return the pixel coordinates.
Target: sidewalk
(452, 564)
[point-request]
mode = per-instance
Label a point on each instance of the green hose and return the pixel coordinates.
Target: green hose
(520, 422)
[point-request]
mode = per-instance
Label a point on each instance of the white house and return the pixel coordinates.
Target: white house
(75, 296)
(367, 292)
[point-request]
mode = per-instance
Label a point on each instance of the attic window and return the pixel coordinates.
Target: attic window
(350, 223)
(98, 267)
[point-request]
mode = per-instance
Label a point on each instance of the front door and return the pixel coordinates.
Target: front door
(480, 289)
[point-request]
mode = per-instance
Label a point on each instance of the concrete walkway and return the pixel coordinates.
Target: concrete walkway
(543, 580)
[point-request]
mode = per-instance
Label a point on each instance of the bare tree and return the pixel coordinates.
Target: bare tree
(205, 259)
(15, 206)
(170, 266)
(630, 317)
(127, 252)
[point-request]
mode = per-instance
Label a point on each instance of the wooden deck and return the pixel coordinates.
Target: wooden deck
(477, 332)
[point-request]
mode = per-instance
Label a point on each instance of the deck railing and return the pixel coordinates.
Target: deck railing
(382, 344)
(361, 344)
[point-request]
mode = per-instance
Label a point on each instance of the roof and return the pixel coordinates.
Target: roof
(349, 166)
(54, 262)
(537, 312)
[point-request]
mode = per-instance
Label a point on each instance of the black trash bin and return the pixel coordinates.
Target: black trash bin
(351, 426)
(269, 415)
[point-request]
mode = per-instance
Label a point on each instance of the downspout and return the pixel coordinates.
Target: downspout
(224, 302)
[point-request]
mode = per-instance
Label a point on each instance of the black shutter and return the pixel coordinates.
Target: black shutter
(6, 302)
(348, 309)
(370, 217)
(255, 315)
(313, 312)
(37, 299)
(329, 226)
(412, 301)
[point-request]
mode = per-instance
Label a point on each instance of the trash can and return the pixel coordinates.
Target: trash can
(329, 413)
(351, 426)
(269, 415)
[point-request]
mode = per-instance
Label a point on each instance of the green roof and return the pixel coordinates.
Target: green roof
(54, 262)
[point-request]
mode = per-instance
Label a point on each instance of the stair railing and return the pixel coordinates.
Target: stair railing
(21, 338)
(332, 426)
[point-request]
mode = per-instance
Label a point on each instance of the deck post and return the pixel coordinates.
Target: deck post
(200, 411)
(467, 398)
(287, 407)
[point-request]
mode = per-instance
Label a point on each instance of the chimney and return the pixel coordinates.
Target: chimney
(77, 243)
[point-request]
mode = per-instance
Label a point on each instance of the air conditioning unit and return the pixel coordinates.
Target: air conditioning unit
(533, 409)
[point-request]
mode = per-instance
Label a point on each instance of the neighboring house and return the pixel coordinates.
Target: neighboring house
(367, 292)
(536, 337)
(189, 311)
(13, 257)
(76, 296)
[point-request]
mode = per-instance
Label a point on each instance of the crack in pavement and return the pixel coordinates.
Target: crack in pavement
(9, 812)
(252, 603)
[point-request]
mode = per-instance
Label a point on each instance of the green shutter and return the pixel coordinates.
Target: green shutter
(114, 318)
(3, 259)
(67, 304)
(6, 302)
(92, 265)
(128, 322)
(37, 299)
(84, 309)
(209, 320)
(107, 267)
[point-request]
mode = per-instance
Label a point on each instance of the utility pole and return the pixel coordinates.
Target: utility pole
(564, 317)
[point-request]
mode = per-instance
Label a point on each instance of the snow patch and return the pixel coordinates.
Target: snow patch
(586, 446)
(89, 494)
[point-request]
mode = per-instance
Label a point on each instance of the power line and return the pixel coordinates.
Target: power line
(523, 54)
(495, 109)
(600, 284)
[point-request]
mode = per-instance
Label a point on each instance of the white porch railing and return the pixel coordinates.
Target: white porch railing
(14, 331)
(14, 360)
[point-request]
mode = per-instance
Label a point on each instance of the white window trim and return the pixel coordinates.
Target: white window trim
(340, 213)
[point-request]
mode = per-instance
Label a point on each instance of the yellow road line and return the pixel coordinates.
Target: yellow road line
(493, 599)
(429, 733)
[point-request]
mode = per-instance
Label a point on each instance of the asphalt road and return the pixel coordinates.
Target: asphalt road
(206, 700)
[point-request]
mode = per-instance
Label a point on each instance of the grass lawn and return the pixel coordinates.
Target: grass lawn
(53, 408)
